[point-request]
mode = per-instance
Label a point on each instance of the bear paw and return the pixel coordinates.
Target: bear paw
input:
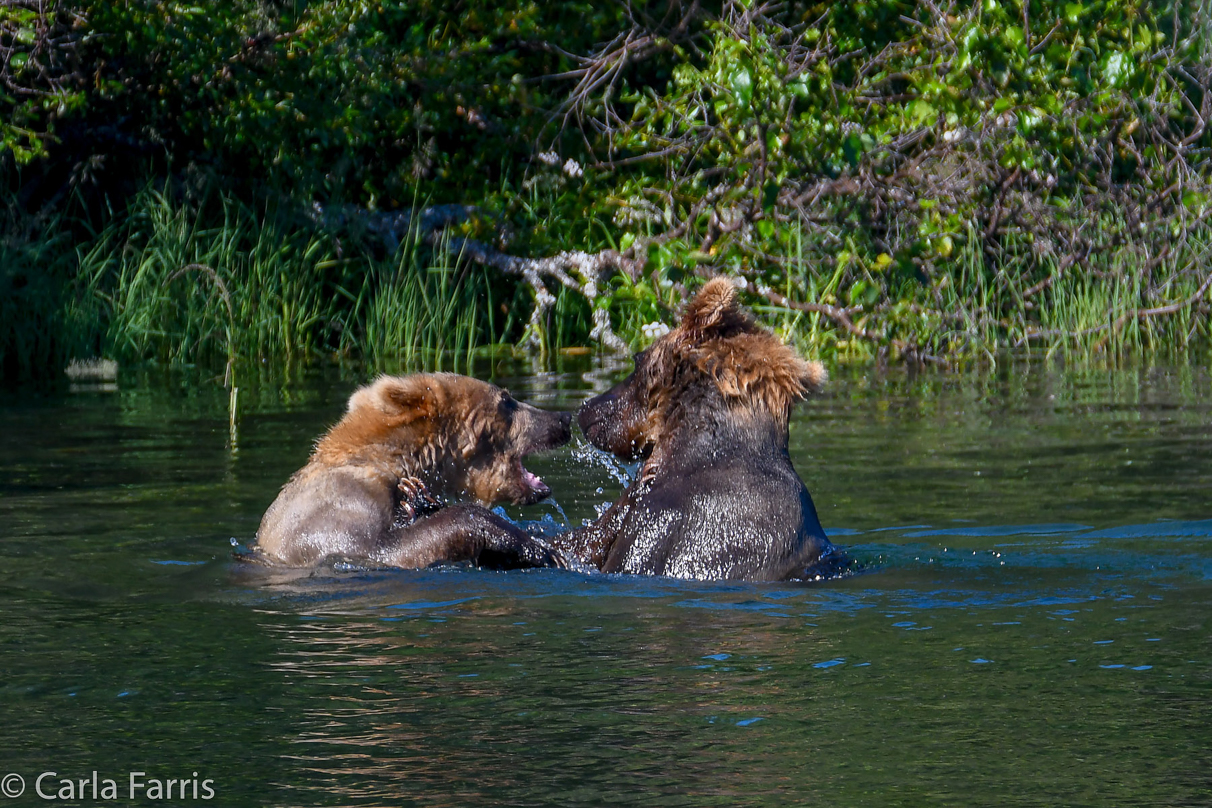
(415, 501)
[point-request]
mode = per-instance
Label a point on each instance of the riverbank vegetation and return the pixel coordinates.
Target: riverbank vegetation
(281, 179)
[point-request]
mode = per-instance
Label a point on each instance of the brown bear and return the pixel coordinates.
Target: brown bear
(367, 490)
(707, 409)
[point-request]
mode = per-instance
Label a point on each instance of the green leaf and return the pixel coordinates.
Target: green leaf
(922, 112)
(742, 85)
(852, 149)
(1118, 69)
(770, 195)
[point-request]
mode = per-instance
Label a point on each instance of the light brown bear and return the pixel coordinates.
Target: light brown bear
(365, 493)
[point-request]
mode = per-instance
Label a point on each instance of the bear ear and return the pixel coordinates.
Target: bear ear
(714, 310)
(405, 399)
(813, 377)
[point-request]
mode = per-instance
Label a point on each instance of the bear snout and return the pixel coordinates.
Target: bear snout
(611, 425)
(540, 431)
(595, 411)
(559, 429)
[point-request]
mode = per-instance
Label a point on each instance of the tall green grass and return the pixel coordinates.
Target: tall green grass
(982, 305)
(223, 284)
(38, 331)
(428, 306)
(188, 284)
(171, 286)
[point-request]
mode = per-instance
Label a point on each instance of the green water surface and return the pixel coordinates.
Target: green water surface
(1032, 628)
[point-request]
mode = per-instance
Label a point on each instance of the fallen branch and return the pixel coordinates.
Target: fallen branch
(842, 318)
(1159, 311)
(575, 270)
(839, 316)
(578, 271)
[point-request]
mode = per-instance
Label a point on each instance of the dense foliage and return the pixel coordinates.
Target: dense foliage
(884, 176)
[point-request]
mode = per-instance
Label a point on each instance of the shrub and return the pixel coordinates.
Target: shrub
(884, 177)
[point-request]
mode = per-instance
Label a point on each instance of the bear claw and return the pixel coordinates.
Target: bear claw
(415, 501)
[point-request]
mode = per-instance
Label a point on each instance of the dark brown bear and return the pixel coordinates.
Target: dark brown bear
(707, 409)
(364, 492)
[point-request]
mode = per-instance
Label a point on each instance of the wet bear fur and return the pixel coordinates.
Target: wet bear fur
(707, 410)
(403, 441)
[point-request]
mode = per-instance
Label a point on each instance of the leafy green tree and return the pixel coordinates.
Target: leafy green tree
(882, 176)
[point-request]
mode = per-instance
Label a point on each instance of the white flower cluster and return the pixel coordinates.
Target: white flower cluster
(637, 211)
(654, 330)
(571, 167)
(952, 135)
(1048, 181)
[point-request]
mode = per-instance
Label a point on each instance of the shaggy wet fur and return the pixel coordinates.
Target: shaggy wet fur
(369, 486)
(707, 409)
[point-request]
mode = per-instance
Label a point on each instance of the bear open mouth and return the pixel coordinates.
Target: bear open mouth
(536, 488)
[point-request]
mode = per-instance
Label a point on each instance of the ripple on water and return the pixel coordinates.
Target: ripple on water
(1001, 530)
(421, 605)
(498, 699)
(1169, 529)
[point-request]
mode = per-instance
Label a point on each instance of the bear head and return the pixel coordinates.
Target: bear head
(462, 436)
(717, 357)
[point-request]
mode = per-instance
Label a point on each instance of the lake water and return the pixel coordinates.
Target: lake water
(1032, 628)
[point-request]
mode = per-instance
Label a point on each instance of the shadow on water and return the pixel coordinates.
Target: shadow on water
(1029, 627)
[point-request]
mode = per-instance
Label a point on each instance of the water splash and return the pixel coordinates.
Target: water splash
(560, 510)
(589, 455)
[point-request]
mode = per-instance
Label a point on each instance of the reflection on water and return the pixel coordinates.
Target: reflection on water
(1031, 627)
